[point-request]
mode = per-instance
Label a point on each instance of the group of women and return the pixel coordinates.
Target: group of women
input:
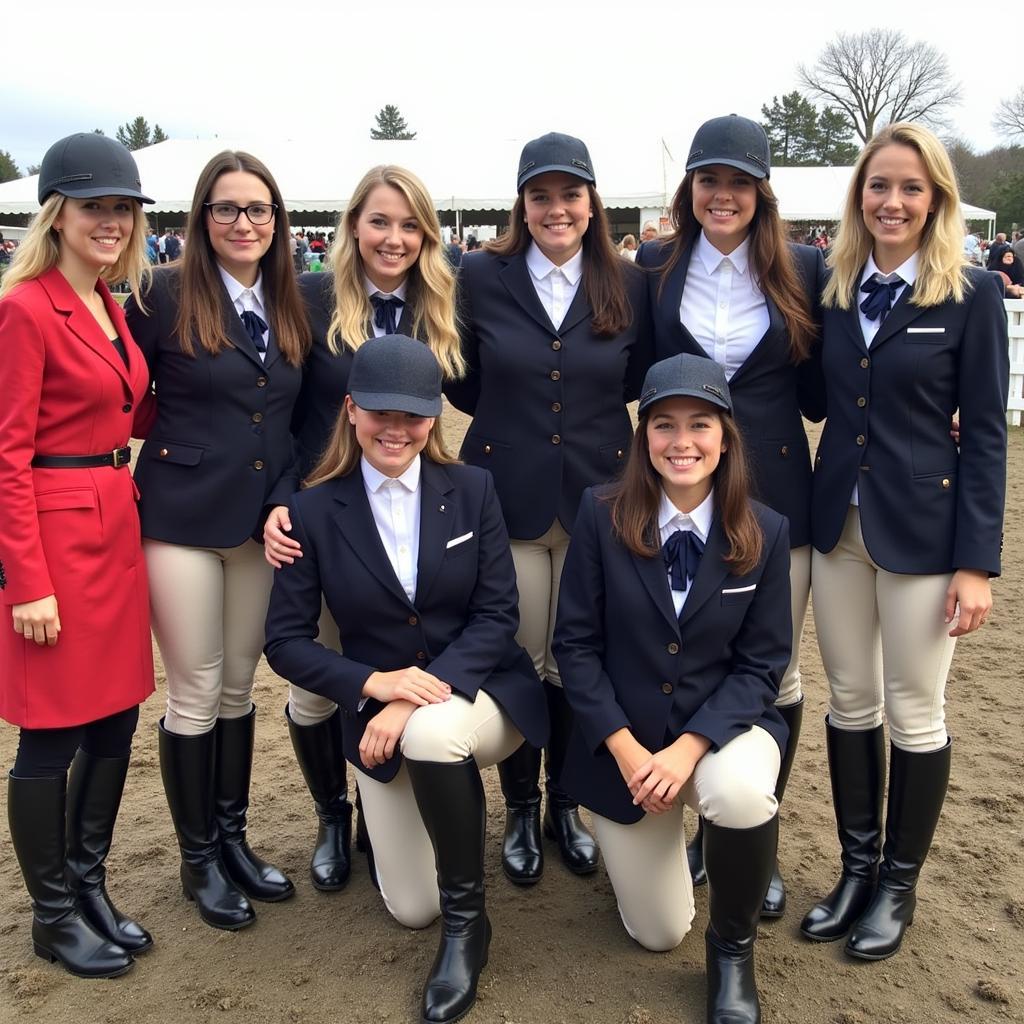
(628, 602)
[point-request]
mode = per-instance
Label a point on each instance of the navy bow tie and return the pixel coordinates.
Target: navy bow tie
(682, 553)
(255, 325)
(880, 296)
(386, 312)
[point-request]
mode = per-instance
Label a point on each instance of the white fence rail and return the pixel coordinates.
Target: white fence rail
(1015, 326)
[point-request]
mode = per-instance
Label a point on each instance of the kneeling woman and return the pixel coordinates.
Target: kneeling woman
(673, 632)
(411, 555)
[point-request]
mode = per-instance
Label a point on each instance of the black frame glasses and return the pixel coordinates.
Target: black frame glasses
(259, 221)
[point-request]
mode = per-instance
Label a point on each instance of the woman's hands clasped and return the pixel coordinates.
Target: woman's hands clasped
(383, 731)
(656, 779)
(37, 620)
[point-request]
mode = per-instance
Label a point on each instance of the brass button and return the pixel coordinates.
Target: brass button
(257, 417)
(673, 648)
(556, 406)
(619, 453)
(666, 687)
(945, 483)
(261, 382)
(413, 621)
(556, 344)
(861, 440)
(164, 452)
(556, 439)
(127, 407)
(487, 449)
(865, 363)
(421, 656)
(784, 451)
(258, 464)
(555, 375)
(861, 402)
(817, 460)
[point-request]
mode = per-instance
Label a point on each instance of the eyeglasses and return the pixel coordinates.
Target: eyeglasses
(227, 213)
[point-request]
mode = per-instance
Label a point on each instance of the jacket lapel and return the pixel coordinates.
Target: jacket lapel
(655, 578)
(710, 575)
(237, 333)
(405, 321)
(515, 276)
(437, 518)
(776, 331)
(579, 309)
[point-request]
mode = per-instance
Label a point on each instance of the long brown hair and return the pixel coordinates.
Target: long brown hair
(603, 269)
(770, 257)
(635, 498)
(200, 311)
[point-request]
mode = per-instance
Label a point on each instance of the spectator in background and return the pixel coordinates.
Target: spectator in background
(628, 249)
(454, 252)
(972, 249)
(995, 251)
(650, 232)
(171, 246)
(1011, 269)
(1017, 245)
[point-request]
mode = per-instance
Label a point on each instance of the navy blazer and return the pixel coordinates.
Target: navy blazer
(769, 393)
(221, 440)
(548, 406)
(627, 661)
(461, 626)
(925, 507)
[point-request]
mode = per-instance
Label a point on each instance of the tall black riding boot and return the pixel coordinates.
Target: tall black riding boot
(739, 864)
(253, 875)
(36, 814)
(917, 789)
(774, 904)
(695, 856)
(856, 763)
(95, 785)
(522, 853)
(562, 816)
(187, 767)
(318, 751)
(451, 802)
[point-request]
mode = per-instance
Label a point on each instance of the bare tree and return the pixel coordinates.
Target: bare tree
(880, 76)
(1009, 119)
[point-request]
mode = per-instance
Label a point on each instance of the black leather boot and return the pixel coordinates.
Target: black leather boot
(774, 904)
(562, 816)
(917, 789)
(253, 875)
(36, 814)
(522, 854)
(187, 768)
(856, 762)
(739, 865)
(95, 785)
(451, 802)
(318, 751)
(695, 856)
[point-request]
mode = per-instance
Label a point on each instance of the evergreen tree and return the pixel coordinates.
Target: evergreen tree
(8, 168)
(833, 145)
(391, 125)
(159, 135)
(791, 126)
(134, 134)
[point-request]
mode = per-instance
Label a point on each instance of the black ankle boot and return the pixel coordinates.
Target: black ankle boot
(562, 817)
(253, 875)
(522, 855)
(187, 768)
(739, 865)
(917, 789)
(695, 856)
(318, 751)
(856, 762)
(774, 904)
(36, 814)
(451, 802)
(95, 785)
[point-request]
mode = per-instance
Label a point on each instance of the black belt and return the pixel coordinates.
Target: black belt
(118, 458)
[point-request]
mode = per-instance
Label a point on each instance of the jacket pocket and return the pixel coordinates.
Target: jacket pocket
(54, 501)
(613, 456)
(177, 452)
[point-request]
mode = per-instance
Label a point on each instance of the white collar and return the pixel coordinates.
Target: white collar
(700, 517)
(374, 479)
(540, 266)
(712, 258)
(398, 293)
(236, 289)
(906, 270)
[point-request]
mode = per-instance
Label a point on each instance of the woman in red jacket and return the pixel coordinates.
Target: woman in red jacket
(78, 660)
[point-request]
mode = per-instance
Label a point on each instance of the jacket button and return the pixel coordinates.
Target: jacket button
(619, 453)
(817, 460)
(164, 452)
(421, 656)
(861, 402)
(261, 382)
(865, 363)
(258, 464)
(257, 417)
(666, 687)
(861, 440)
(556, 406)
(487, 449)
(413, 621)
(673, 648)
(945, 483)
(127, 407)
(556, 439)
(784, 451)
(555, 375)
(556, 344)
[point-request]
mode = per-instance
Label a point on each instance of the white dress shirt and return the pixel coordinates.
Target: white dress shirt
(245, 299)
(671, 519)
(395, 505)
(398, 293)
(556, 287)
(723, 306)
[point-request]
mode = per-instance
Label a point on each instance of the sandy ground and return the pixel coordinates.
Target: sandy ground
(560, 954)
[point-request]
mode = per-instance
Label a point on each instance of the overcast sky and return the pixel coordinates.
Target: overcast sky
(460, 72)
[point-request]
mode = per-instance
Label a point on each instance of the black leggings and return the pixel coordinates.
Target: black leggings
(44, 753)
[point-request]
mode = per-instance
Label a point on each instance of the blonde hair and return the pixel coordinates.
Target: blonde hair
(39, 251)
(341, 456)
(942, 267)
(431, 285)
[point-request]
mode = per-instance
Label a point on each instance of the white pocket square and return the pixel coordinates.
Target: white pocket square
(926, 330)
(740, 590)
(458, 540)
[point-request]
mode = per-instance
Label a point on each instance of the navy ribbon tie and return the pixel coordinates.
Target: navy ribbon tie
(880, 296)
(255, 325)
(682, 554)
(385, 313)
